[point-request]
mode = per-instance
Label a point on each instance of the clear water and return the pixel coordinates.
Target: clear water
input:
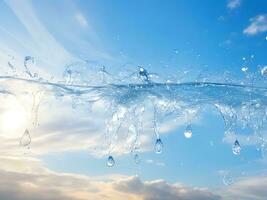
(129, 94)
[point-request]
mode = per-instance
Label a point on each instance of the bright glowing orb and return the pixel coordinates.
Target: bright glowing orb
(13, 120)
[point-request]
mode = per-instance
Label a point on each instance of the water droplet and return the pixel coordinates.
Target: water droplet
(244, 58)
(137, 159)
(264, 71)
(188, 131)
(266, 38)
(236, 148)
(158, 146)
(28, 64)
(244, 69)
(227, 179)
(25, 140)
(110, 161)
(143, 74)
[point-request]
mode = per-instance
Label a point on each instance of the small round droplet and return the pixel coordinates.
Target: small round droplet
(25, 140)
(137, 159)
(110, 161)
(158, 146)
(244, 69)
(188, 131)
(236, 148)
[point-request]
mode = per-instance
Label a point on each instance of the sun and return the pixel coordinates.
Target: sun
(13, 121)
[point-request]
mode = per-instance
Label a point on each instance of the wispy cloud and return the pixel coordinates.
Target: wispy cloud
(258, 25)
(247, 189)
(81, 20)
(45, 46)
(233, 4)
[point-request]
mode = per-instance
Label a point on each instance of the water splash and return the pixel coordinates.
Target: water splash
(128, 94)
(29, 64)
(25, 139)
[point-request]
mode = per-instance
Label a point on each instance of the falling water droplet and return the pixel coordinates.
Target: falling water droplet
(110, 161)
(28, 64)
(25, 140)
(158, 146)
(236, 148)
(137, 159)
(188, 131)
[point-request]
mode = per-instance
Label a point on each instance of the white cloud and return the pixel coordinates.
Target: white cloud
(233, 4)
(247, 189)
(38, 183)
(159, 189)
(81, 20)
(24, 178)
(258, 25)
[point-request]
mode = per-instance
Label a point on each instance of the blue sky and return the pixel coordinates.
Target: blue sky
(165, 37)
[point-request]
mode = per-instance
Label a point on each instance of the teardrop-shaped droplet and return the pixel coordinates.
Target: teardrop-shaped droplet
(137, 159)
(25, 140)
(188, 131)
(28, 64)
(110, 161)
(158, 146)
(236, 148)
